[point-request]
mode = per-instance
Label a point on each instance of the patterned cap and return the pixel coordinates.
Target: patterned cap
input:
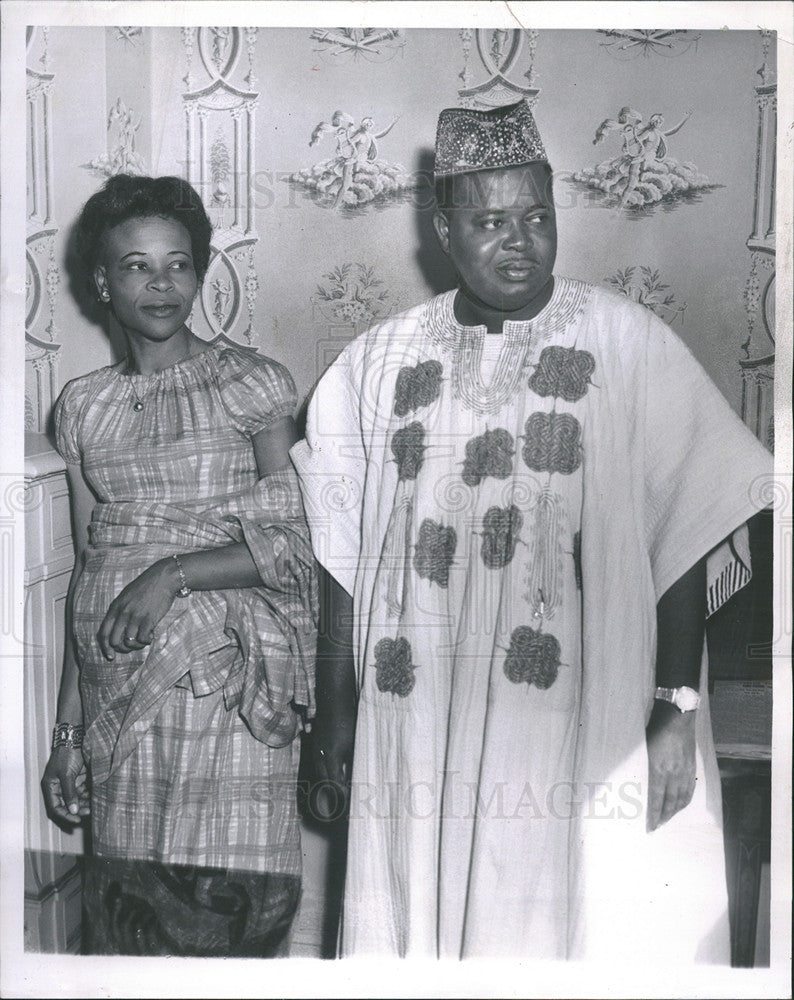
(469, 139)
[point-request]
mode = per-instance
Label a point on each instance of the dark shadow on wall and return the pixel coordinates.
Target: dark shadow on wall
(428, 256)
(83, 291)
(81, 288)
(431, 260)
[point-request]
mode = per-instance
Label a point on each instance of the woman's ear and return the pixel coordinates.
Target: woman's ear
(100, 280)
(441, 226)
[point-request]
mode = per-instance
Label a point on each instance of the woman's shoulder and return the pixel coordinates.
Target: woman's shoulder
(71, 407)
(255, 389)
(236, 362)
(82, 387)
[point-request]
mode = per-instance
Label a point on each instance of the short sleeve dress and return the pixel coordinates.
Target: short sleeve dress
(191, 742)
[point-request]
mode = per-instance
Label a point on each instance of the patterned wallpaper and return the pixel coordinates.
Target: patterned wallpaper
(42, 273)
(312, 149)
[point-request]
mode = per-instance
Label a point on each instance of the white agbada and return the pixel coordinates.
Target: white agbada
(506, 527)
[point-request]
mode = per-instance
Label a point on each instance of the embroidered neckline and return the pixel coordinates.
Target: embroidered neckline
(520, 339)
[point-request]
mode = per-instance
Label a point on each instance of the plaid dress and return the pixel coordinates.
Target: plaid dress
(191, 741)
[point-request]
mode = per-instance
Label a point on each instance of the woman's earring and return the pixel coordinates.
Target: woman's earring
(104, 295)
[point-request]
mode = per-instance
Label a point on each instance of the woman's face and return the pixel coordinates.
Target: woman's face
(146, 273)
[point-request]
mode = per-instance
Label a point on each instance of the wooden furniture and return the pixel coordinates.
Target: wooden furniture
(746, 801)
(740, 679)
(52, 857)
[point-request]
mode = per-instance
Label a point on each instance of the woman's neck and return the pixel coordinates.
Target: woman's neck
(146, 357)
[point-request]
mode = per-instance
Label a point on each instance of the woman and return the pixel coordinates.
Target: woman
(190, 631)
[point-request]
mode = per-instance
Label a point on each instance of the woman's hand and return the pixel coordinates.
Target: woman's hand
(133, 616)
(65, 786)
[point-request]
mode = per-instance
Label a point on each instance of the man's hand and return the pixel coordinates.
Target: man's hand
(334, 726)
(331, 742)
(671, 762)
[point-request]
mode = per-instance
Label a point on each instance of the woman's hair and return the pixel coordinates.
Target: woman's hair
(128, 197)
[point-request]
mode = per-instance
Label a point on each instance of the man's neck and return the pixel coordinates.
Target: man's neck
(471, 311)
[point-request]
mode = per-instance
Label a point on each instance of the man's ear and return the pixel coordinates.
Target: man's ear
(441, 226)
(100, 280)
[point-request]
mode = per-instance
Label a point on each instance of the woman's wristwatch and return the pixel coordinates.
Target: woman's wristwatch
(685, 699)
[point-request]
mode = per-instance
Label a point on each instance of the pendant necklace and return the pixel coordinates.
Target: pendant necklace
(138, 404)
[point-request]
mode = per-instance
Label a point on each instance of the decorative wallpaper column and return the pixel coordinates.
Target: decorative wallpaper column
(220, 119)
(758, 364)
(498, 51)
(42, 276)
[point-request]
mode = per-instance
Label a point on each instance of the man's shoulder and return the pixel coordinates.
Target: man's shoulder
(391, 331)
(621, 318)
(611, 303)
(404, 322)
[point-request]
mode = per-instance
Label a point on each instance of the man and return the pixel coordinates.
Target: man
(514, 488)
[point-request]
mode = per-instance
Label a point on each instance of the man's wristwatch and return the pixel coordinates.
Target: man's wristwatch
(685, 699)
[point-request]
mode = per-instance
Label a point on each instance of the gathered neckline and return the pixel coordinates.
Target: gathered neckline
(185, 363)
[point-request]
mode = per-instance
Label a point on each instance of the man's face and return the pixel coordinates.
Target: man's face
(502, 236)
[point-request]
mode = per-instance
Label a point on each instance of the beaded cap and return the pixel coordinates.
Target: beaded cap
(469, 139)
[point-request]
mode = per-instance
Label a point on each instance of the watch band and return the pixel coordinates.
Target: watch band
(664, 694)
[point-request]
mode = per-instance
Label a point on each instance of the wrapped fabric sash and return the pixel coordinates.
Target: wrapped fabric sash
(257, 644)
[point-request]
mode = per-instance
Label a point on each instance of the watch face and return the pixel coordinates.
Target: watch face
(686, 699)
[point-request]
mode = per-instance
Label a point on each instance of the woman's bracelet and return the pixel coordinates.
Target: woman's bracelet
(184, 590)
(65, 734)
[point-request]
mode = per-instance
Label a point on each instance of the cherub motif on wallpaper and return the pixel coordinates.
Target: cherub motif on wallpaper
(648, 289)
(221, 299)
(221, 40)
(369, 43)
(123, 158)
(643, 174)
(352, 294)
(355, 176)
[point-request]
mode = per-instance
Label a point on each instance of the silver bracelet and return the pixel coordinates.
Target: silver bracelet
(184, 590)
(65, 734)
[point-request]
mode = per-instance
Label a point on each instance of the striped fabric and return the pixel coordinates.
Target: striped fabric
(191, 741)
(728, 569)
